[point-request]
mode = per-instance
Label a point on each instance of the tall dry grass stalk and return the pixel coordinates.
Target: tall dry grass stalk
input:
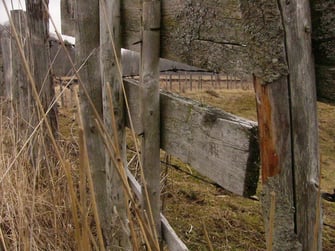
(35, 206)
(49, 203)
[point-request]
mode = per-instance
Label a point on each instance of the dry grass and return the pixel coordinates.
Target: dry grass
(35, 206)
(36, 211)
(242, 103)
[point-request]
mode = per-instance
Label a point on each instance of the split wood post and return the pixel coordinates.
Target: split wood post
(110, 60)
(21, 92)
(7, 63)
(150, 52)
(286, 103)
(38, 22)
(87, 50)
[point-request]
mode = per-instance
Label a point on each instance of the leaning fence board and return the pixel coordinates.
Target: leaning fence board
(171, 238)
(219, 145)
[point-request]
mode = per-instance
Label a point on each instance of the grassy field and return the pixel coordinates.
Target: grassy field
(36, 213)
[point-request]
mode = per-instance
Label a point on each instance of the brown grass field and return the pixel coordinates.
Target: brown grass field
(36, 213)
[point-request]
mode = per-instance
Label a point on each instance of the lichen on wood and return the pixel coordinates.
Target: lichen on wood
(264, 37)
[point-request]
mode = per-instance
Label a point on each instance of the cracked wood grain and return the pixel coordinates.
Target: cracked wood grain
(219, 145)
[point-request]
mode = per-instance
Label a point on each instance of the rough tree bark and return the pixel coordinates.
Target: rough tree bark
(279, 41)
(111, 75)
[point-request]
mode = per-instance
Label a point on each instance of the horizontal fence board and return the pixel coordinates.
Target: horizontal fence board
(219, 145)
(205, 34)
(171, 238)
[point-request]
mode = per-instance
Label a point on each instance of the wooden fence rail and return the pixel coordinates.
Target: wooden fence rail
(219, 145)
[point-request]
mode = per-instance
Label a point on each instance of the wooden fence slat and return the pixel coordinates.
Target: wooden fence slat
(169, 235)
(7, 63)
(20, 85)
(150, 113)
(219, 45)
(38, 22)
(112, 89)
(219, 145)
(87, 42)
(297, 23)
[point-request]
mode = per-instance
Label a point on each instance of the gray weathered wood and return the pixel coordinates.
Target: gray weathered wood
(219, 145)
(150, 112)
(276, 161)
(191, 32)
(68, 16)
(87, 44)
(7, 63)
(169, 235)
(21, 92)
(297, 24)
(286, 104)
(188, 27)
(110, 59)
(38, 22)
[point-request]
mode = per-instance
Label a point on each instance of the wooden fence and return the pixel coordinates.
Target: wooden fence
(280, 57)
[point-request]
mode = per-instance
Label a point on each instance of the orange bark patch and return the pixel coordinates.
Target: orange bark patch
(269, 156)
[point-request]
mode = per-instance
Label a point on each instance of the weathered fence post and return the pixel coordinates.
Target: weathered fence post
(150, 52)
(286, 104)
(110, 60)
(7, 63)
(38, 22)
(87, 50)
(20, 86)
